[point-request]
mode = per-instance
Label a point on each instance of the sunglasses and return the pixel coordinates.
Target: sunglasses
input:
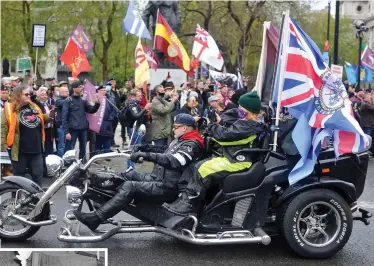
(27, 94)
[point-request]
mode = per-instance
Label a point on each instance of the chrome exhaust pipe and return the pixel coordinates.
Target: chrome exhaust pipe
(53, 220)
(224, 238)
(66, 236)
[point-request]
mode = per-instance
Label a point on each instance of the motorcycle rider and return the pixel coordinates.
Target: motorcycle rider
(162, 184)
(241, 134)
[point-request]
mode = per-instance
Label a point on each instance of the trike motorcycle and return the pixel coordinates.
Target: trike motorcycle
(315, 215)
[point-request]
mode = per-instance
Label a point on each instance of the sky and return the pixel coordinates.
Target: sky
(321, 4)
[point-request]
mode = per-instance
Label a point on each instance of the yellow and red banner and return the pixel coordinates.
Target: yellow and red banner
(142, 73)
(167, 42)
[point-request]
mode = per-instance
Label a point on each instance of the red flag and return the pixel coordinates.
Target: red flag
(75, 59)
(152, 58)
(326, 48)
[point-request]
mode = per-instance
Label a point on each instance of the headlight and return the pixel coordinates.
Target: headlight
(69, 157)
(74, 196)
(54, 164)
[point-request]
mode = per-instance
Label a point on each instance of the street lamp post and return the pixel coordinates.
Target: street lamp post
(361, 28)
(336, 33)
(328, 29)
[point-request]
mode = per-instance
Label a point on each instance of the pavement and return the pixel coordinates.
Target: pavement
(155, 249)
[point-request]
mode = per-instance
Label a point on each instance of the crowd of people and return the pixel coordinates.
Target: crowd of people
(49, 119)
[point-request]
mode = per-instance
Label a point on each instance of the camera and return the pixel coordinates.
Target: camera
(360, 25)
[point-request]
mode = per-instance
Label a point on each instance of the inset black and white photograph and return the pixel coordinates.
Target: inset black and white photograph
(54, 257)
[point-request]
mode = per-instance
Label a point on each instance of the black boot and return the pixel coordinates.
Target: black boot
(107, 210)
(91, 220)
(184, 205)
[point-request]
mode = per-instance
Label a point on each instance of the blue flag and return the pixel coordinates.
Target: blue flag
(134, 24)
(351, 73)
(366, 74)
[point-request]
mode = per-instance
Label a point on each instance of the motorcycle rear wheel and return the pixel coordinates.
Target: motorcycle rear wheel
(22, 234)
(317, 223)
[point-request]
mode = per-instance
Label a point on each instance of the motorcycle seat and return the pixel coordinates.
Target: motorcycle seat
(250, 178)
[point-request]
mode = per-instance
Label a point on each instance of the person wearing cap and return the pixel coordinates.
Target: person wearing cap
(14, 82)
(63, 84)
(243, 133)
(162, 184)
(161, 116)
(49, 82)
(104, 137)
(115, 96)
(74, 121)
(4, 96)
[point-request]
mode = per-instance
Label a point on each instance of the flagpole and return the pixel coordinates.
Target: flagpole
(261, 64)
(284, 36)
(276, 61)
(127, 43)
(36, 60)
(154, 38)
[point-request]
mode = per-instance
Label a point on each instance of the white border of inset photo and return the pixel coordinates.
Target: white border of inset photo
(105, 250)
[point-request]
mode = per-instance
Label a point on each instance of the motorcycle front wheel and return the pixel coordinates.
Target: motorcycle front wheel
(10, 228)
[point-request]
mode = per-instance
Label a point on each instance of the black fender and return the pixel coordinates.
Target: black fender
(24, 183)
(344, 189)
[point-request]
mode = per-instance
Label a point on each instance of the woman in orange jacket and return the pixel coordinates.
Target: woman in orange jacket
(22, 134)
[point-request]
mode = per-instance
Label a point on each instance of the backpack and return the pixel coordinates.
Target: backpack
(123, 118)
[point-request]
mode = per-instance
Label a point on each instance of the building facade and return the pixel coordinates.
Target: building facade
(363, 10)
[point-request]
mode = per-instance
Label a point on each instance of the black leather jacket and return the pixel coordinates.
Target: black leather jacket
(170, 162)
(239, 135)
(135, 113)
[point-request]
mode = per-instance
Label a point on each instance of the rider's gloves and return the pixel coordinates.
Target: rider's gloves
(135, 156)
(137, 147)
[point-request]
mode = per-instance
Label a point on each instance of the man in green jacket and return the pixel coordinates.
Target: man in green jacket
(161, 116)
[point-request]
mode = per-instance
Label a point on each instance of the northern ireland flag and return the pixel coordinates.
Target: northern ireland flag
(206, 50)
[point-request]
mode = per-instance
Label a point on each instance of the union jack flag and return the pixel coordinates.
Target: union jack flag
(317, 99)
(201, 34)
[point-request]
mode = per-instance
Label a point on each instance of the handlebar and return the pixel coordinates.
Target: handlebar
(108, 155)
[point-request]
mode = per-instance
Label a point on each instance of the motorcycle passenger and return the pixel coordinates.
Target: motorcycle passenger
(162, 184)
(241, 134)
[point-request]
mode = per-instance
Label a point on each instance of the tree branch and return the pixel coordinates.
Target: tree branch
(233, 15)
(196, 11)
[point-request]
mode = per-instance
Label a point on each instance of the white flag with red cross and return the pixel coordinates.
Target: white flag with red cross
(206, 50)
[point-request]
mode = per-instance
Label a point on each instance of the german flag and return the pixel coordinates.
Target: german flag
(167, 42)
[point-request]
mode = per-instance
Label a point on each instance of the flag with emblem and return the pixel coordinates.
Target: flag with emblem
(81, 39)
(317, 98)
(75, 59)
(142, 73)
(167, 42)
(205, 49)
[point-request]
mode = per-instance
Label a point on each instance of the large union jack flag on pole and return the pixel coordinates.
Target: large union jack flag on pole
(317, 99)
